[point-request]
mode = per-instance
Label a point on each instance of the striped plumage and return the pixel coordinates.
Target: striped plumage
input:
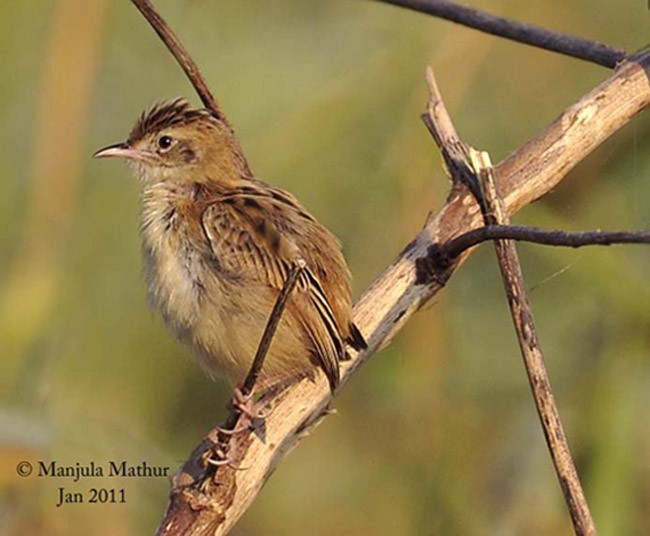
(218, 244)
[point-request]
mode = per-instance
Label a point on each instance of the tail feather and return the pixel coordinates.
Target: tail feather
(355, 339)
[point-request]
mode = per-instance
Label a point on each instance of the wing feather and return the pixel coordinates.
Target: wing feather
(253, 234)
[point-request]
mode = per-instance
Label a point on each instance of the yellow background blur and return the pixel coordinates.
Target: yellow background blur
(437, 434)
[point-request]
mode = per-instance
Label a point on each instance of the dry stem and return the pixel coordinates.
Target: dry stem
(521, 32)
(475, 170)
(540, 383)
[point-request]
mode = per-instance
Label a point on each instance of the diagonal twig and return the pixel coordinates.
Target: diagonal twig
(493, 211)
(190, 68)
(272, 326)
(521, 32)
(529, 344)
(263, 346)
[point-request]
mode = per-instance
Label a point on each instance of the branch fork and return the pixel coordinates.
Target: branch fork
(477, 173)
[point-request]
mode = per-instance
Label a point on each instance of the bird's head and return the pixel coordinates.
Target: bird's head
(173, 142)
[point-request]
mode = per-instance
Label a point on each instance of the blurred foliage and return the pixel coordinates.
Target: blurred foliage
(437, 434)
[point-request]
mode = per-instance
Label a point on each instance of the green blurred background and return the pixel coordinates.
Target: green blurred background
(437, 434)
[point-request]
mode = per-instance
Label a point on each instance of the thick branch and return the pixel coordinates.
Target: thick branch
(521, 32)
(395, 295)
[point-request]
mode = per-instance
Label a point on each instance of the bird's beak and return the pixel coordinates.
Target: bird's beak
(120, 150)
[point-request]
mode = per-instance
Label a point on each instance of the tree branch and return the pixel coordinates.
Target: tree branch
(521, 32)
(474, 169)
(198, 506)
(540, 383)
(442, 255)
(190, 68)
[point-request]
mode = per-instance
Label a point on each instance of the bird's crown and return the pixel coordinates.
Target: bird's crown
(167, 114)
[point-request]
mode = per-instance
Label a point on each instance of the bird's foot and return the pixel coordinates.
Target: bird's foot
(251, 413)
(218, 456)
(246, 416)
(224, 448)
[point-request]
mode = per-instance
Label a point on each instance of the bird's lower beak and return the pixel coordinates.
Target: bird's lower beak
(120, 150)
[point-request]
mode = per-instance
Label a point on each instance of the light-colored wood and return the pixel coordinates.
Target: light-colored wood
(531, 351)
(386, 306)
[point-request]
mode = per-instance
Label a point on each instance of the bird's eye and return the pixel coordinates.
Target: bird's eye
(165, 142)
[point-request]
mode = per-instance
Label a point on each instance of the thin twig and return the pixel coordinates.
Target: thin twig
(540, 383)
(262, 349)
(190, 68)
(271, 327)
(447, 252)
(521, 32)
(494, 213)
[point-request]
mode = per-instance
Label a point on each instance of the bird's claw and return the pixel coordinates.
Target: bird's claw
(218, 456)
(251, 414)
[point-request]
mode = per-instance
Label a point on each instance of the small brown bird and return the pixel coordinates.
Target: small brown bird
(218, 245)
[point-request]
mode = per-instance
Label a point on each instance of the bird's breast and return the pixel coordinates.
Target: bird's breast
(177, 268)
(175, 279)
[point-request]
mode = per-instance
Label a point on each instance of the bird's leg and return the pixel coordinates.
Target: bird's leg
(245, 415)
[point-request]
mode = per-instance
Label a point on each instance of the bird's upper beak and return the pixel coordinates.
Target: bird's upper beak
(120, 150)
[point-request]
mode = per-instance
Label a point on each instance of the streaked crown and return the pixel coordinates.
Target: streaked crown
(168, 114)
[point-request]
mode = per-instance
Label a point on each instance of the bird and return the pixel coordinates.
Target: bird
(218, 245)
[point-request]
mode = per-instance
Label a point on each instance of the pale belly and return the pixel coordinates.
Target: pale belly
(222, 319)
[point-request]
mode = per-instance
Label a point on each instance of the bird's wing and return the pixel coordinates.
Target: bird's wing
(255, 236)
